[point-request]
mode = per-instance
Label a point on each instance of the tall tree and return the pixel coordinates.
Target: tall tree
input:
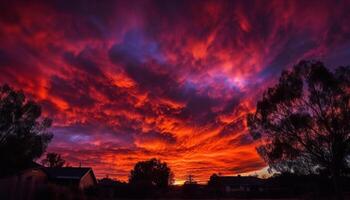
(304, 121)
(53, 160)
(23, 136)
(152, 172)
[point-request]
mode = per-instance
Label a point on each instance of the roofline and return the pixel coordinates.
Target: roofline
(93, 175)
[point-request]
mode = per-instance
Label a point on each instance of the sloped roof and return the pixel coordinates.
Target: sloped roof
(67, 172)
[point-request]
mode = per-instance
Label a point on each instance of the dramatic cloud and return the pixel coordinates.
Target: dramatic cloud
(131, 80)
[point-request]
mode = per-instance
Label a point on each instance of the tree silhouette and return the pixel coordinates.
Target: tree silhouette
(152, 172)
(190, 180)
(53, 160)
(303, 121)
(23, 137)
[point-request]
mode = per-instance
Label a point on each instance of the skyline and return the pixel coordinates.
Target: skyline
(125, 82)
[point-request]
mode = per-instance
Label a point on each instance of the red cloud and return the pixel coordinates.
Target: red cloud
(173, 80)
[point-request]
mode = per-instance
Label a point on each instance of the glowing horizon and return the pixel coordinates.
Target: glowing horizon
(174, 80)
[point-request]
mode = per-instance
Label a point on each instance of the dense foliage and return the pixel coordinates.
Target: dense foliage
(53, 160)
(151, 172)
(303, 121)
(23, 136)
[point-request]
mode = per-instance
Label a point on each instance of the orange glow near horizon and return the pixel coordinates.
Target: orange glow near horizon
(126, 82)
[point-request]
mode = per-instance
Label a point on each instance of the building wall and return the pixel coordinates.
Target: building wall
(87, 181)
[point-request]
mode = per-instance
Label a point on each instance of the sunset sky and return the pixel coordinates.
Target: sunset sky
(126, 81)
